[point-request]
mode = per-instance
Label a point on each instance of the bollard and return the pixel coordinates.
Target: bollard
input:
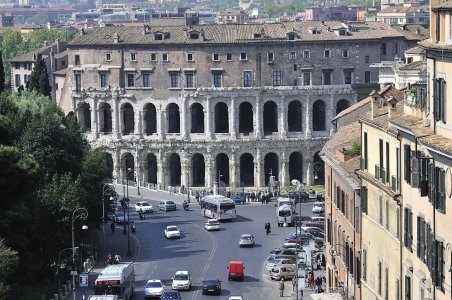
(55, 296)
(64, 290)
(61, 294)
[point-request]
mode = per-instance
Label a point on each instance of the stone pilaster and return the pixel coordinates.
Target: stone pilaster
(258, 118)
(208, 118)
(116, 118)
(258, 178)
(282, 113)
(308, 110)
(184, 119)
(161, 167)
(209, 167)
(232, 122)
(233, 182)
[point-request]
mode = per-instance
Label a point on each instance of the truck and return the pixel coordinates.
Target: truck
(285, 211)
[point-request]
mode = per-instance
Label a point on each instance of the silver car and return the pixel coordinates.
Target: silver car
(246, 240)
(271, 262)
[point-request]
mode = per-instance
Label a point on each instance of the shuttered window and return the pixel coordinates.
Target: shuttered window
(440, 186)
(407, 163)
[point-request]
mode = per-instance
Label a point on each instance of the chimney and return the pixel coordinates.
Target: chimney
(116, 38)
(418, 31)
(374, 103)
(392, 107)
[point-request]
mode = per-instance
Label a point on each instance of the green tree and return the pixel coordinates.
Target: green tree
(8, 263)
(39, 79)
(2, 74)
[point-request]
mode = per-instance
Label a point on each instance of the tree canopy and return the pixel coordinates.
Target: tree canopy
(39, 79)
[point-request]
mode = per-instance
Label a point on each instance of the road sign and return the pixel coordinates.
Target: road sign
(83, 279)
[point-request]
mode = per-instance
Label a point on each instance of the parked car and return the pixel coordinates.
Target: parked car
(300, 196)
(318, 220)
(246, 240)
(182, 280)
(278, 261)
(144, 206)
(236, 270)
(120, 218)
(170, 295)
(283, 272)
(211, 286)
(239, 199)
(319, 225)
(153, 288)
(167, 205)
(318, 208)
(284, 253)
(235, 298)
(172, 232)
(314, 231)
(212, 224)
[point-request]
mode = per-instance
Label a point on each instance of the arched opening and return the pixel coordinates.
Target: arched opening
(271, 167)
(318, 168)
(173, 116)
(109, 164)
(128, 164)
(294, 116)
(318, 116)
(150, 119)
(246, 170)
(341, 105)
(222, 163)
(197, 118)
(221, 118)
(84, 117)
(245, 118)
(198, 170)
(152, 168)
(128, 119)
(174, 169)
(270, 117)
(105, 121)
(296, 166)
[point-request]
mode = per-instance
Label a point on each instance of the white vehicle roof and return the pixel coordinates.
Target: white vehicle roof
(103, 297)
(182, 273)
(115, 271)
(285, 207)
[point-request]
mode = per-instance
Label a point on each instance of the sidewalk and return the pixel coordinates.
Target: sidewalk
(307, 291)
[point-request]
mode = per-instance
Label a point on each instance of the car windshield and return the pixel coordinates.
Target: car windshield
(169, 202)
(210, 281)
(169, 295)
(246, 237)
(145, 204)
(172, 229)
(153, 284)
(181, 277)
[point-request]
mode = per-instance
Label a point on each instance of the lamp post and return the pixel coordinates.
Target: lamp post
(129, 253)
(300, 187)
(58, 267)
(83, 214)
(219, 180)
(318, 166)
(110, 187)
(335, 253)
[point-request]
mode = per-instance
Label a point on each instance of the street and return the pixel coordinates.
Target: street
(204, 254)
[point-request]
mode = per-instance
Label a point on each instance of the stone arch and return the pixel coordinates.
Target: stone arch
(151, 166)
(246, 118)
(318, 168)
(174, 170)
(197, 118)
(221, 118)
(294, 118)
(128, 166)
(109, 164)
(271, 166)
(270, 117)
(105, 119)
(150, 119)
(222, 164)
(128, 119)
(318, 116)
(173, 118)
(246, 170)
(198, 170)
(296, 166)
(341, 105)
(84, 116)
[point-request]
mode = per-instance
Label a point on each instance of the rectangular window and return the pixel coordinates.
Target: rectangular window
(386, 283)
(387, 214)
(306, 54)
(439, 98)
(165, 57)
(293, 55)
(398, 223)
(153, 56)
(326, 75)
(367, 59)
(407, 288)
(270, 56)
(77, 60)
(108, 56)
(379, 274)
(380, 155)
(130, 80)
(397, 165)
(217, 79)
(16, 65)
(383, 48)
(190, 57)
(277, 78)
(357, 216)
(215, 57)
(78, 82)
(397, 297)
(380, 209)
(440, 187)
(174, 79)
(146, 79)
(190, 80)
(103, 79)
(387, 162)
(407, 163)
(229, 56)
(439, 264)
(17, 80)
(247, 78)
(364, 265)
(327, 53)
(348, 74)
(133, 57)
(243, 56)
(345, 53)
(408, 228)
(306, 78)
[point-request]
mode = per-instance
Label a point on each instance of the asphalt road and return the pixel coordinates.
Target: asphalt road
(203, 253)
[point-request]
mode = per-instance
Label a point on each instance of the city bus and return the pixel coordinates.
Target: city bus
(116, 280)
(218, 207)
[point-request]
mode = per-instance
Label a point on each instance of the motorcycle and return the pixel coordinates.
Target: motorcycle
(132, 227)
(141, 215)
(185, 206)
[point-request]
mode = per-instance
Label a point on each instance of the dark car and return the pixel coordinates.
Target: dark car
(211, 286)
(239, 199)
(166, 295)
(300, 196)
(120, 218)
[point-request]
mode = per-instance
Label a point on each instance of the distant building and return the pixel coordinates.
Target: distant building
(232, 16)
(6, 20)
(22, 14)
(338, 13)
(408, 13)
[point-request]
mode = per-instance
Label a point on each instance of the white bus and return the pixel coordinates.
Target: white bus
(218, 207)
(116, 280)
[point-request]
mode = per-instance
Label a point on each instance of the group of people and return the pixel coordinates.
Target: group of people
(116, 260)
(315, 283)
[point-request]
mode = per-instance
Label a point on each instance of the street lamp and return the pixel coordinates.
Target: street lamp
(129, 253)
(318, 166)
(335, 253)
(110, 187)
(300, 187)
(83, 214)
(58, 266)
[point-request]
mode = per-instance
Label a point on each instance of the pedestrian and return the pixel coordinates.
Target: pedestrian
(112, 227)
(294, 283)
(281, 288)
(310, 280)
(117, 258)
(319, 265)
(109, 259)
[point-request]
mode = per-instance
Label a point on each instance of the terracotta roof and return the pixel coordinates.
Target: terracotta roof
(355, 106)
(411, 124)
(404, 9)
(415, 50)
(417, 65)
(438, 142)
(436, 46)
(443, 4)
(29, 57)
(409, 31)
(235, 33)
(60, 72)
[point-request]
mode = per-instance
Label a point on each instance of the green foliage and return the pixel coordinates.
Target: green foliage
(39, 79)
(2, 74)
(354, 150)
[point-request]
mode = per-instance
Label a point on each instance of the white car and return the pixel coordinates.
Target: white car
(182, 280)
(153, 288)
(318, 208)
(144, 206)
(212, 224)
(172, 232)
(235, 298)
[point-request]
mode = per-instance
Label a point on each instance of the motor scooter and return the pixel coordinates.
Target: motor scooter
(185, 206)
(132, 227)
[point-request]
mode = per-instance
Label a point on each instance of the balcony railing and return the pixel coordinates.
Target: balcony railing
(377, 172)
(394, 183)
(383, 175)
(363, 163)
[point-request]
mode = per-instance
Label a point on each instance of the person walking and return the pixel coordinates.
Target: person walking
(294, 283)
(281, 288)
(117, 258)
(109, 259)
(112, 227)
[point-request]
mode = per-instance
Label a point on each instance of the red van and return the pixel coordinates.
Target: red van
(235, 270)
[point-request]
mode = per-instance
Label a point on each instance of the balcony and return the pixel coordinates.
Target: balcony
(363, 163)
(383, 175)
(377, 172)
(394, 183)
